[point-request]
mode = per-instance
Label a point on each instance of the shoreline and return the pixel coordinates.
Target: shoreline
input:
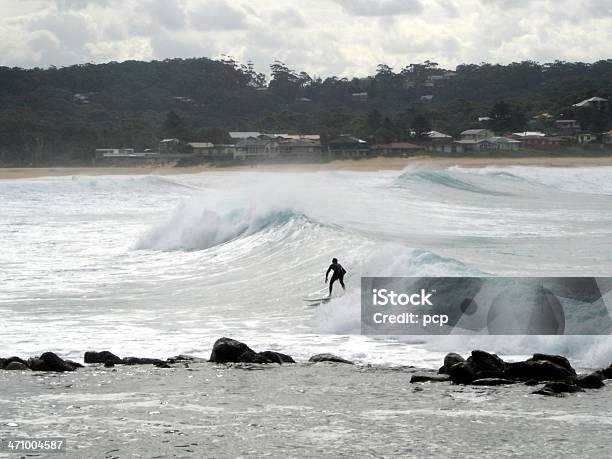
(353, 165)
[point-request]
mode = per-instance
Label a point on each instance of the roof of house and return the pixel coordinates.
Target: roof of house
(502, 140)
(438, 135)
(243, 135)
(300, 143)
(395, 146)
(254, 142)
(343, 139)
(200, 144)
(586, 102)
(529, 134)
(473, 131)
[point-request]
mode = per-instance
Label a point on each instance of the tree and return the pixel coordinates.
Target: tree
(505, 118)
(421, 126)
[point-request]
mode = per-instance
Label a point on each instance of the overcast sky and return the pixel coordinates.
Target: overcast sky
(322, 37)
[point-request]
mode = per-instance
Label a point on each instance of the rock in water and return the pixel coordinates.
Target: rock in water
(491, 382)
(251, 356)
(607, 372)
(329, 358)
(540, 370)
(226, 350)
(556, 359)
(450, 360)
(55, 363)
(429, 378)
(557, 387)
(101, 357)
(141, 361)
(591, 381)
(484, 363)
(37, 364)
(277, 357)
(16, 366)
(462, 373)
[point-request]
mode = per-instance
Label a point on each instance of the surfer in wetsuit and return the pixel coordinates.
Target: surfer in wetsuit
(338, 275)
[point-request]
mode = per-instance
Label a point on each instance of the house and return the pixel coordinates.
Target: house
(437, 136)
(239, 135)
(520, 135)
(598, 103)
(567, 127)
(476, 134)
(536, 140)
(207, 150)
(505, 143)
(427, 98)
(346, 146)
(256, 148)
(394, 149)
(585, 138)
(168, 145)
(299, 148)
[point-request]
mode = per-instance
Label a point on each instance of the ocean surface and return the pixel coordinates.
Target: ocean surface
(160, 265)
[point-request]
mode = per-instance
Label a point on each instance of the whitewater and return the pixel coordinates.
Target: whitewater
(157, 266)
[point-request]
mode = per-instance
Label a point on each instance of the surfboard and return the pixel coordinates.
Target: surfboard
(324, 299)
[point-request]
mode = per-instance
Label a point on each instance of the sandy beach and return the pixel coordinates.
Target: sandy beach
(371, 164)
(304, 410)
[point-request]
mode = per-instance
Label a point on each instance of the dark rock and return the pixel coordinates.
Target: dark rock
(227, 350)
(109, 365)
(14, 359)
(185, 358)
(14, 365)
(531, 382)
(251, 356)
(557, 359)
(37, 364)
(462, 373)
(277, 357)
(429, 378)
(540, 370)
(2, 363)
(140, 361)
(56, 363)
(607, 372)
(101, 357)
(547, 392)
(591, 381)
(483, 363)
(73, 363)
(491, 382)
(162, 365)
(329, 358)
(450, 360)
(558, 387)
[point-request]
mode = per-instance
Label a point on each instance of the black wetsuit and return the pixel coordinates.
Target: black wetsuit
(338, 275)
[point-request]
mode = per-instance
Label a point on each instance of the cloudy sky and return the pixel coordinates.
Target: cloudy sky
(323, 37)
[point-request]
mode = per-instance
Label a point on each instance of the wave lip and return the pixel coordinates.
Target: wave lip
(446, 179)
(191, 228)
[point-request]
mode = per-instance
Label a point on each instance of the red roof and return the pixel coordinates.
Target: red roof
(396, 146)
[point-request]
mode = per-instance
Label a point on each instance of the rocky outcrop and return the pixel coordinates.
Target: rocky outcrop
(492, 382)
(277, 357)
(329, 358)
(450, 360)
(479, 365)
(590, 381)
(227, 350)
(55, 363)
(556, 388)
(607, 372)
(101, 357)
(16, 366)
(140, 361)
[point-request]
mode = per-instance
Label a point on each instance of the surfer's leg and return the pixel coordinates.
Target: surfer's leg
(331, 284)
(342, 283)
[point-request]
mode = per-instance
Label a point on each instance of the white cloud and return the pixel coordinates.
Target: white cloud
(323, 37)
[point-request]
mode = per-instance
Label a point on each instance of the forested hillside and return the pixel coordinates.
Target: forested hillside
(63, 114)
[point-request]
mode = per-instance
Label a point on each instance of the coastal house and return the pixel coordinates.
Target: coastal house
(261, 147)
(168, 145)
(586, 138)
(505, 143)
(209, 151)
(598, 103)
(476, 134)
(394, 149)
(299, 148)
(567, 127)
(346, 146)
(538, 140)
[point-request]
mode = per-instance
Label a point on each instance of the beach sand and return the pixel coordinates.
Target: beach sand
(370, 164)
(303, 410)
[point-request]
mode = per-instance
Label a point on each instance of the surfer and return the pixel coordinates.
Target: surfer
(338, 274)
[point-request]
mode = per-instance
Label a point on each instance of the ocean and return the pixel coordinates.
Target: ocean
(160, 265)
